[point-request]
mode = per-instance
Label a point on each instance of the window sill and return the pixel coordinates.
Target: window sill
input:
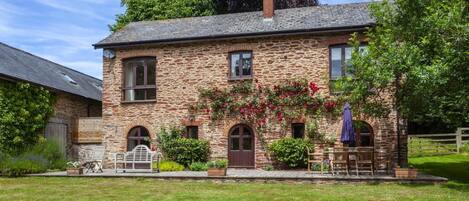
(239, 78)
(139, 101)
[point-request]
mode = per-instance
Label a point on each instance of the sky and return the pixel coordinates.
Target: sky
(63, 31)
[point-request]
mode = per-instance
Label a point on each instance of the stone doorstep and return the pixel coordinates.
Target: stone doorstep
(297, 177)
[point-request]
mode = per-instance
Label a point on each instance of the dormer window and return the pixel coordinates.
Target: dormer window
(140, 79)
(241, 65)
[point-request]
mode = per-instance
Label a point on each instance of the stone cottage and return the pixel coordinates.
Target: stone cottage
(77, 95)
(153, 70)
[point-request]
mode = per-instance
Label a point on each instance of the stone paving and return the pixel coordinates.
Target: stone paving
(246, 175)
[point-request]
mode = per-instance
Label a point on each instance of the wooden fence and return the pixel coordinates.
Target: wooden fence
(435, 144)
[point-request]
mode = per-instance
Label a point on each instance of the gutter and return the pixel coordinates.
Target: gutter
(354, 28)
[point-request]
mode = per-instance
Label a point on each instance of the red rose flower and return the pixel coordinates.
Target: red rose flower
(313, 87)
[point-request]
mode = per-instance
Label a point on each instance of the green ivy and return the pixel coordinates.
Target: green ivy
(24, 111)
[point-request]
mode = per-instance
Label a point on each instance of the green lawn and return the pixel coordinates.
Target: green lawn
(454, 167)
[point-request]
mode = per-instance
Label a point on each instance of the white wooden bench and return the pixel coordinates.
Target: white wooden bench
(141, 154)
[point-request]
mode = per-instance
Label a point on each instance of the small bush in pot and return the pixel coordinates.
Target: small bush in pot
(290, 152)
(198, 166)
(217, 167)
(74, 168)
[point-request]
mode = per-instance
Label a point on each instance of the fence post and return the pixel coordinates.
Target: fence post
(458, 139)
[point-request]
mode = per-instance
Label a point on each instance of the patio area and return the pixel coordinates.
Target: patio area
(252, 175)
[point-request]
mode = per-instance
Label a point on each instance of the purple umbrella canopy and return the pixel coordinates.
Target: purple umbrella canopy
(348, 133)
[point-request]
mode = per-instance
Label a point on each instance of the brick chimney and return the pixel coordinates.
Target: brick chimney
(268, 8)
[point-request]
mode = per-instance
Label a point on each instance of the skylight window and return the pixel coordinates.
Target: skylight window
(69, 79)
(98, 86)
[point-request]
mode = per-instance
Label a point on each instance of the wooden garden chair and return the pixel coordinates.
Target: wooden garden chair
(339, 161)
(364, 162)
(315, 158)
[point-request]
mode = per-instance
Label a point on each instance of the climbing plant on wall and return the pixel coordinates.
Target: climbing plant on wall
(24, 110)
(264, 105)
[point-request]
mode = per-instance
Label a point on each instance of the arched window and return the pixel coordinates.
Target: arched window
(363, 134)
(137, 136)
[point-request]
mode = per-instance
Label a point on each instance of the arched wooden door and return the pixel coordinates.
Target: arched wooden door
(241, 147)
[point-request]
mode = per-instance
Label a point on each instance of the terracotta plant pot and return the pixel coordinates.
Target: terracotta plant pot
(74, 171)
(406, 173)
(216, 172)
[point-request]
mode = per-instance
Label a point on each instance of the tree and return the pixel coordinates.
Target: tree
(140, 10)
(24, 111)
(418, 52)
(236, 6)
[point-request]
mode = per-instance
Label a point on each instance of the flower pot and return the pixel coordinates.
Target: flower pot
(406, 173)
(74, 171)
(216, 172)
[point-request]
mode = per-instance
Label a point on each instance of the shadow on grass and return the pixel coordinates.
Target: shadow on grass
(456, 172)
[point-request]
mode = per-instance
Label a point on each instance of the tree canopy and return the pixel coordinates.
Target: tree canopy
(140, 10)
(419, 53)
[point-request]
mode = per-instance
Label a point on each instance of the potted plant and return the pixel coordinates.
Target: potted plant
(74, 168)
(405, 173)
(217, 168)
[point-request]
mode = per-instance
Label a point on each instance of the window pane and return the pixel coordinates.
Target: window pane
(235, 131)
(192, 132)
(298, 130)
(151, 67)
(131, 144)
(234, 143)
(336, 63)
(247, 143)
(129, 95)
(247, 132)
(143, 132)
(140, 74)
(151, 94)
(139, 94)
(247, 63)
(129, 75)
(235, 65)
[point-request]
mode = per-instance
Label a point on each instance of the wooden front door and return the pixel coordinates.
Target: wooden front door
(241, 147)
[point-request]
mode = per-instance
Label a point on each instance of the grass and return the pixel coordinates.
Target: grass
(455, 167)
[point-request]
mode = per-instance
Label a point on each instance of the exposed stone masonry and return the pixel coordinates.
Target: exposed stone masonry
(183, 68)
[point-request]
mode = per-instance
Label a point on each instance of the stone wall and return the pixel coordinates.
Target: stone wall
(68, 108)
(183, 68)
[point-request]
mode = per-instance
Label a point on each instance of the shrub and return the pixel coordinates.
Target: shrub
(25, 164)
(182, 150)
(290, 152)
(3, 159)
(223, 163)
(198, 166)
(268, 168)
(50, 150)
(168, 166)
(465, 148)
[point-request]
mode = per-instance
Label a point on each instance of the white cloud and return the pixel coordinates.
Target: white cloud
(69, 6)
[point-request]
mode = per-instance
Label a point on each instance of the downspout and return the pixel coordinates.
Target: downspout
(398, 119)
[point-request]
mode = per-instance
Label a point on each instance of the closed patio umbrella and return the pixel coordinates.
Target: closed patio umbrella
(348, 133)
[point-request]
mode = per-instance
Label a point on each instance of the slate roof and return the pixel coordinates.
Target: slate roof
(305, 19)
(21, 65)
